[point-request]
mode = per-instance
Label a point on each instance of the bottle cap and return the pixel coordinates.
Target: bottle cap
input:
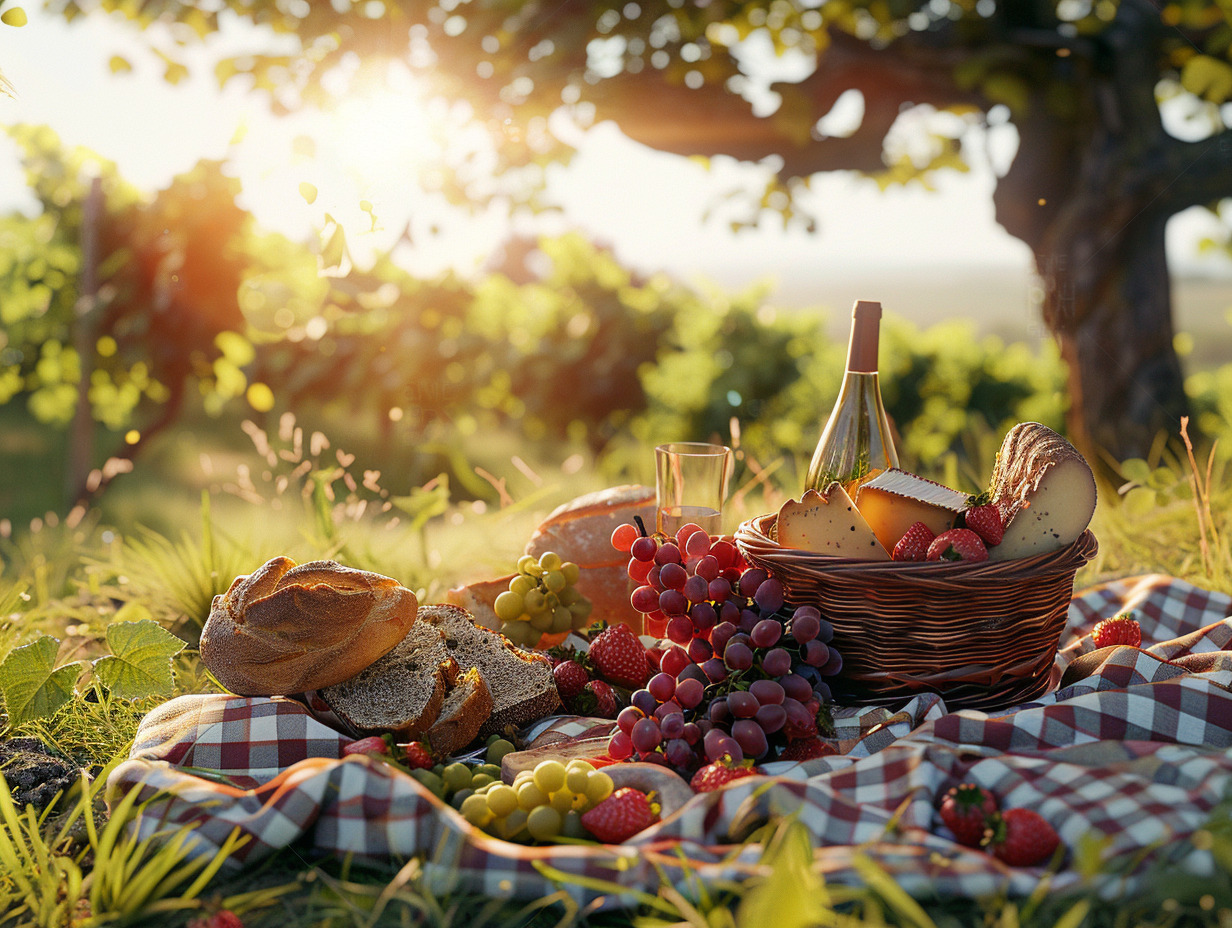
(865, 329)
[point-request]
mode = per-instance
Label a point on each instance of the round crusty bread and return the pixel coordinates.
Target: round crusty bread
(581, 529)
(285, 629)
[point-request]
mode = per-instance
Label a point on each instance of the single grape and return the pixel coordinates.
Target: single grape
(718, 711)
(662, 686)
(672, 725)
(732, 576)
(669, 707)
(821, 691)
(653, 757)
(502, 800)
(729, 612)
(599, 785)
(771, 718)
(715, 670)
(673, 602)
(679, 628)
(689, 692)
(725, 553)
(535, 601)
(766, 633)
(720, 635)
(750, 736)
(692, 733)
(668, 553)
(555, 580)
(742, 703)
(568, 596)
(769, 596)
(804, 628)
(529, 564)
(718, 589)
(768, 692)
(795, 686)
(645, 736)
(643, 548)
(654, 578)
(509, 606)
(697, 545)
(544, 822)
(644, 599)
(623, 537)
(826, 632)
(700, 651)
(696, 589)
(522, 584)
(628, 717)
(807, 611)
(673, 576)
(777, 662)
(704, 725)
(748, 620)
(797, 715)
(550, 560)
(703, 616)
(549, 775)
(638, 570)
(750, 580)
(572, 572)
(712, 743)
(737, 656)
(707, 568)
(816, 654)
(677, 752)
(731, 747)
(643, 701)
(686, 531)
(674, 660)
(691, 672)
(834, 665)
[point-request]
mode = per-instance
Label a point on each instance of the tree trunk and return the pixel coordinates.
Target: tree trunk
(1086, 193)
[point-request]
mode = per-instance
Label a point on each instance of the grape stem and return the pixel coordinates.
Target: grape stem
(641, 526)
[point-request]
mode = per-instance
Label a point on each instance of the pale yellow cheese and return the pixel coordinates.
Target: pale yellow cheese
(1044, 489)
(828, 523)
(895, 500)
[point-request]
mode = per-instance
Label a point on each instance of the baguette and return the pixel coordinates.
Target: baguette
(287, 629)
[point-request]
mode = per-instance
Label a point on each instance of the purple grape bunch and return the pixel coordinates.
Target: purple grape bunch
(744, 672)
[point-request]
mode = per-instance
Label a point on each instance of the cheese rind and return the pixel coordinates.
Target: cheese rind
(895, 500)
(828, 523)
(1045, 490)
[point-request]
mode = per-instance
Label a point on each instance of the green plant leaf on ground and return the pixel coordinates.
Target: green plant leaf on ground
(33, 686)
(140, 660)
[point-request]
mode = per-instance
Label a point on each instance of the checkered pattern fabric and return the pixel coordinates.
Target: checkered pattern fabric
(1130, 746)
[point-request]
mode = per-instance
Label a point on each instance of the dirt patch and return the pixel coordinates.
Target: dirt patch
(34, 775)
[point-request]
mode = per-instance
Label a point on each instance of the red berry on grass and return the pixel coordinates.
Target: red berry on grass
(966, 810)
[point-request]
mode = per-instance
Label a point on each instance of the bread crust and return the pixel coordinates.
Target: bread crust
(286, 629)
(581, 529)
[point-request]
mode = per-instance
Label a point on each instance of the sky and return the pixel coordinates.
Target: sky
(647, 205)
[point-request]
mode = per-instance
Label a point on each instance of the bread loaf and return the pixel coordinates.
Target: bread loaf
(286, 629)
(465, 709)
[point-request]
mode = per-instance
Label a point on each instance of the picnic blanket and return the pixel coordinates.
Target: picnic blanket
(1127, 760)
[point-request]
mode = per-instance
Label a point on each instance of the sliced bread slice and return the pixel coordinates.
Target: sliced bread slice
(465, 709)
(401, 692)
(522, 685)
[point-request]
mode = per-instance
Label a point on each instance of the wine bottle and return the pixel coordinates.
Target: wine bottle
(856, 442)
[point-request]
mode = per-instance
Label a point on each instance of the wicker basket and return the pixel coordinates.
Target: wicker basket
(982, 635)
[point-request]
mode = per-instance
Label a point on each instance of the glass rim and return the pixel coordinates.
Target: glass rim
(701, 449)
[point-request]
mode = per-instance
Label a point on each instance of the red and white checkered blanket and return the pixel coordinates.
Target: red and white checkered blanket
(1128, 762)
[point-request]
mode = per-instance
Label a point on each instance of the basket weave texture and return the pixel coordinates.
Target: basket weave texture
(982, 635)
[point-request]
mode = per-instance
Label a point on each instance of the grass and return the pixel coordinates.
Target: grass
(187, 538)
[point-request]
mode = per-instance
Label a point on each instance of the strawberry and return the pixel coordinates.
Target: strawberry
(720, 773)
(1022, 838)
(801, 730)
(619, 657)
(913, 546)
(1120, 629)
(620, 816)
(966, 810)
(223, 918)
(571, 677)
(596, 700)
(800, 749)
(985, 521)
(958, 544)
(373, 744)
(419, 756)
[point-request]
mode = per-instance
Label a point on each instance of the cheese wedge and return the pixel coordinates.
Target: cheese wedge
(828, 523)
(895, 500)
(1044, 489)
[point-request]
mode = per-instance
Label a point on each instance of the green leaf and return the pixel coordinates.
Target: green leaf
(32, 685)
(140, 660)
(425, 504)
(1208, 78)
(1136, 470)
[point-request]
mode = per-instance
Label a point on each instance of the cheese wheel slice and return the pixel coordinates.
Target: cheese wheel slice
(1044, 489)
(828, 523)
(895, 500)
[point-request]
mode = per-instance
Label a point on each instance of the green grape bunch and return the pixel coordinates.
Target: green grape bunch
(542, 600)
